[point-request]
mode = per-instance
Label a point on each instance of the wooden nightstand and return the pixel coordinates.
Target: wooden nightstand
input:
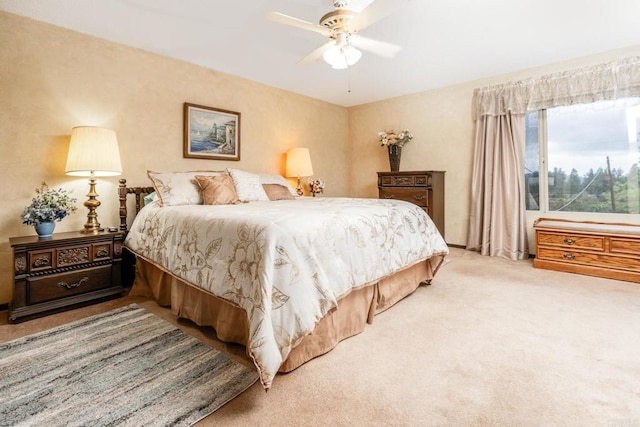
(423, 188)
(64, 270)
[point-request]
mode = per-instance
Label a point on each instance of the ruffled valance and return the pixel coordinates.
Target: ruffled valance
(617, 79)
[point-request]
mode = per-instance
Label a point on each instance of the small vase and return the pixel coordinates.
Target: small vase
(45, 229)
(395, 151)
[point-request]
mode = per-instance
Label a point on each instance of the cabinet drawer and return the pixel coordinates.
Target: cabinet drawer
(587, 258)
(625, 246)
(576, 241)
(55, 286)
(418, 197)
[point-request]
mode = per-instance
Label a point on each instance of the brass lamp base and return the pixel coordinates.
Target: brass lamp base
(92, 225)
(299, 188)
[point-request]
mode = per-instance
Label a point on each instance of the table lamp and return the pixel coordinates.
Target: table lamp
(93, 151)
(298, 164)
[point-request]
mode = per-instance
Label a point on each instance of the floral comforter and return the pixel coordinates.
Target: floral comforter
(287, 262)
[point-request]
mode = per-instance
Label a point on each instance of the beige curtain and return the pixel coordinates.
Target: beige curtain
(497, 225)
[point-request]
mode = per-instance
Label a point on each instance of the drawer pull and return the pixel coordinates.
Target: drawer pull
(102, 253)
(389, 196)
(72, 285)
(41, 262)
(569, 256)
(569, 241)
(419, 198)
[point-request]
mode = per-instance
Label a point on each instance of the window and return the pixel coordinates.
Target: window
(584, 158)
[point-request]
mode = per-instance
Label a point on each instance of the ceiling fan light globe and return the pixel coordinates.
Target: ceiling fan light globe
(333, 56)
(351, 54)
(341, 57)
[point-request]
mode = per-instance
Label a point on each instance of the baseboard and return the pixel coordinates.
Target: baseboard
(451, 245)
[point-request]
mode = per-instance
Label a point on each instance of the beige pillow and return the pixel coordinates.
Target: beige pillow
(248, 185)
(217, 190)
(277, 192)
(179, 188)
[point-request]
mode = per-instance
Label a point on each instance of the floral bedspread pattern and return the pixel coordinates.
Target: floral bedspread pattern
(286, 263)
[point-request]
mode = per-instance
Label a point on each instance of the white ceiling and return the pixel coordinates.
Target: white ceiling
(444, 41)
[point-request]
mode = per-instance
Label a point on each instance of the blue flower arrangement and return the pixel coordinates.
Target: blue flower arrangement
(48, 205)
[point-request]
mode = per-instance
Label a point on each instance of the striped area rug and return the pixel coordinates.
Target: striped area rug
(123, 367)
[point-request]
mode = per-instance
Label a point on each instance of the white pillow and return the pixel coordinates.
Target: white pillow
(248, 185)
(266, 178)
(179, 188)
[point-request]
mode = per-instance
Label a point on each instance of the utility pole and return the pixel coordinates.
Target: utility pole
(613, 200)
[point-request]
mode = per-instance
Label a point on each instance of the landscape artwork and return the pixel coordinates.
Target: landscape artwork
(211, 133)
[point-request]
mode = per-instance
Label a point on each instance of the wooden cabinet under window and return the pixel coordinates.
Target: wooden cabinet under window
(423, 188)
(591, 248)
(64, 270)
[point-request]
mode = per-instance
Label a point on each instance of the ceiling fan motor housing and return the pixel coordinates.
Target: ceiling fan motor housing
(338, 20)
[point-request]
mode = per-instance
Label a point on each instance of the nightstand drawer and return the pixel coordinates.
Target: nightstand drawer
(418, 197)
(41, 260)
(66, 257)
(576, 241)
(55, 286)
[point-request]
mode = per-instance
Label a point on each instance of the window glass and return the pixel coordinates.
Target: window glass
(592, 153)
(532, 162)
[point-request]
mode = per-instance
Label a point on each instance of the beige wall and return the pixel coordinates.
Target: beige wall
(52, 79)
(443, 129)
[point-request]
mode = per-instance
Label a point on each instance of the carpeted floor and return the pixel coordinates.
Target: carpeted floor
(491, 343)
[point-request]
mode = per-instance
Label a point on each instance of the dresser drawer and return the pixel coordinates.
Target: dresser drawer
(405, 181)
(591, 259)
(576, 241)
(55, 286)
(415, 196)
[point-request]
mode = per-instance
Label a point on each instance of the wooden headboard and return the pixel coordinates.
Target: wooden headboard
(123, 191)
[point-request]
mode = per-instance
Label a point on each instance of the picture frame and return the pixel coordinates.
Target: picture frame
(211, 133)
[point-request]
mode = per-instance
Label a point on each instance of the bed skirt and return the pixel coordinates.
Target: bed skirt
(231, 325)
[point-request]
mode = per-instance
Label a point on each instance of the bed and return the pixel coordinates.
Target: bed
(287, 278)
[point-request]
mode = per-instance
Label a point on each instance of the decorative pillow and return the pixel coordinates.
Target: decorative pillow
(179, 188)
(277, 192)
(217, 190)
(266, 178)
(248, 185)
(149, 198)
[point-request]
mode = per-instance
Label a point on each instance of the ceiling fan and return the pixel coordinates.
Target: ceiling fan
(342, 26)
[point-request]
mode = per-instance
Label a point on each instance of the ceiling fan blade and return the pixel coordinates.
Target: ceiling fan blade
(384, 49)
(316, 55)
(376, 11)
(295, 22)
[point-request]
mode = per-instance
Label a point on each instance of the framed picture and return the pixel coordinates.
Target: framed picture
(211, 133)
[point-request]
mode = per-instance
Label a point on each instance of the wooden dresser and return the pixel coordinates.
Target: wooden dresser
(423, 188)
(592, 248)
(64, 270)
